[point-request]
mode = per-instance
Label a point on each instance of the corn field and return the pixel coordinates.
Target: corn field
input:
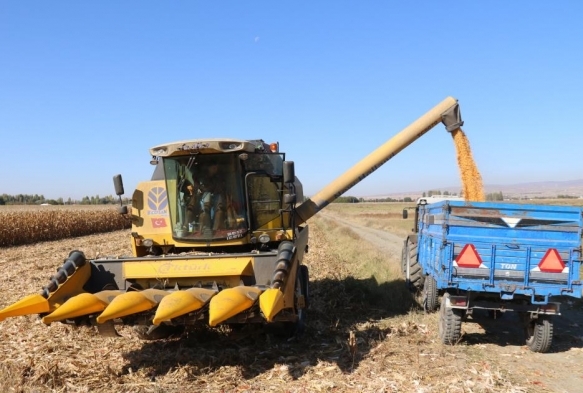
(31, 224)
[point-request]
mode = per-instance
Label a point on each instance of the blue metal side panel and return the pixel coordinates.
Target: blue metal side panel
(510, 239)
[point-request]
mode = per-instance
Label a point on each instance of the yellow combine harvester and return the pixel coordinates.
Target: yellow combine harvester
(218, 236)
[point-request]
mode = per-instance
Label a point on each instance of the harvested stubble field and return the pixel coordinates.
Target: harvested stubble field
(365, 332)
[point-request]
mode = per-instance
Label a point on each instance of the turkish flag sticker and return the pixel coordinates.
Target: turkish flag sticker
(158, 222)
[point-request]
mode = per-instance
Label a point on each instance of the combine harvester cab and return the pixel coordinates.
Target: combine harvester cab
(218, 237)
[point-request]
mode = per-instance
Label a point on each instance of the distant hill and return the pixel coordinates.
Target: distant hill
(540, 189)
(518, 190)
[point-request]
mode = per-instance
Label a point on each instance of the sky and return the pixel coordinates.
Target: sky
(86, 88)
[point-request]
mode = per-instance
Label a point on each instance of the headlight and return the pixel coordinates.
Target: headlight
(264, 238)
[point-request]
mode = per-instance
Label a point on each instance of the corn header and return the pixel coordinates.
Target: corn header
(218, 237)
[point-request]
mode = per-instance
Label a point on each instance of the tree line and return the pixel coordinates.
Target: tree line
(493, 196)
(36, 199)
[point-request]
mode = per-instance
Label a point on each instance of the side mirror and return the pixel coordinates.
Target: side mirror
(288, 172)
(118, 184)
(405, 213)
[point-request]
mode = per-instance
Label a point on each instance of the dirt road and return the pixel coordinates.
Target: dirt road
(502, 340)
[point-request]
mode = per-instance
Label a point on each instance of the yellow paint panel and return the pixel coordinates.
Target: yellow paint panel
(31, 304)
(230, 302)
(82, 304)
(150, 209)
(271, 303)
(129, 303)
(188, 268)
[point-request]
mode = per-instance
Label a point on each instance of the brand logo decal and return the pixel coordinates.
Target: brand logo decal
(157, 201)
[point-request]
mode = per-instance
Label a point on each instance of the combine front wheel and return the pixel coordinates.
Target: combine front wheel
(152, 332)
(296, 328)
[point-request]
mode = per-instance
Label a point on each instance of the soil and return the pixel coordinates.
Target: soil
(350, 344)
(502, 339)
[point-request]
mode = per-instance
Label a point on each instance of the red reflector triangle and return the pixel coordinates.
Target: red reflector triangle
(551, 262)
(469, 257)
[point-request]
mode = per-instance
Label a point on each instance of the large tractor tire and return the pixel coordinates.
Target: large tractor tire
(404, 258)
(539, 334)
(430, 294)
(303, 284)
(450, 322)
(413, 272)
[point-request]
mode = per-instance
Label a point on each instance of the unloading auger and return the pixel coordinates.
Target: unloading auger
(218, 237)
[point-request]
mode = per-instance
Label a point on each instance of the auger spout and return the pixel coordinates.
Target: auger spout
(447, 111)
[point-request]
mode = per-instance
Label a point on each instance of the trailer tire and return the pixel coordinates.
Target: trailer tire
(539, 334)
(450, 322)
(430, 296)
(414, 274)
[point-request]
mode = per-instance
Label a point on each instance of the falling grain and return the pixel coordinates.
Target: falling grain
(471, 179)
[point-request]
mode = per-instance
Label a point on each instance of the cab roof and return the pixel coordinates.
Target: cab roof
(208, 146)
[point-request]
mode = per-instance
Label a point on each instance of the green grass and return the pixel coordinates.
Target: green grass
(363, 270)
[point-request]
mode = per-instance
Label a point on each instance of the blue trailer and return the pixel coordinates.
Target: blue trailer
(500, 257)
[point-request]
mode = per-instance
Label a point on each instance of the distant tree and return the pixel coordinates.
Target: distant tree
(407, 199)
(347, 199)
(495, 196)
(2, 201)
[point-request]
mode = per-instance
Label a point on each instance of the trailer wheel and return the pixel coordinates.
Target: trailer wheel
(539, 334)
(430, 297)
(414, 274)
(450, 322)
